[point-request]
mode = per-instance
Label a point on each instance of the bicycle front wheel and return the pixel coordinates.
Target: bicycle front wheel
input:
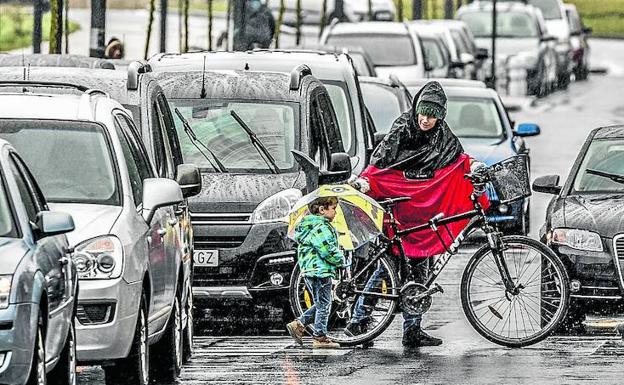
(519, 317)
(372, 299)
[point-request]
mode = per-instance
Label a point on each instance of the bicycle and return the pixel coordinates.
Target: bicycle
(514, 290)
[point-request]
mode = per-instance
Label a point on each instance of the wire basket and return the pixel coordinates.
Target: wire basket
(510, 179)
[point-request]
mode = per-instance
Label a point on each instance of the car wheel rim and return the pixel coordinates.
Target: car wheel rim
(143, 350)
(177, 333)
(41, 372)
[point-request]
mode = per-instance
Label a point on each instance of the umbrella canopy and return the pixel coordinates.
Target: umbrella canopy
(359, 218)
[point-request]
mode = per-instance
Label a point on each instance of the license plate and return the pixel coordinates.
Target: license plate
(207, 258)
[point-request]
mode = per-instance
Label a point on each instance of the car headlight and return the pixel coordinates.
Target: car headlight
(577, 239)
(276, 207)
(99, 258)
(5, 290)
(562, 47)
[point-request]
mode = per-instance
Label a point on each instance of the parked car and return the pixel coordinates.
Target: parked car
(240, 127)
(436, 54)
(584, 223)
(335, 71)
(38, 284)
(393, 47)
(138, 91)
(126, 238)
(579, 36)
(477, 116)
(353, 10)
(386, 100)
(362, 62)
(54, 60)
(522, 38)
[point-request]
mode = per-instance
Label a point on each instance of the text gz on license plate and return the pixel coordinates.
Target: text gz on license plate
(208, 258)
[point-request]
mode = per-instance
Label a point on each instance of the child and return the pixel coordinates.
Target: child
(319, 257)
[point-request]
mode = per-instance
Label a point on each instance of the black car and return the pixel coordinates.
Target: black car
(240, 128)
(584, 222)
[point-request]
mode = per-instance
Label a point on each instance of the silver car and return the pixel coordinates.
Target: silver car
(96, 168)
(38, 284)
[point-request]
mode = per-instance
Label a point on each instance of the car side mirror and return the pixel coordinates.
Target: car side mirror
(49, 223)
(457, 64)
(588, 30)
(189, 179)
(157, 193)
(379, 137)
(548, 38)
(527, 129)
(428, 67)
(548, 184)
(482, 54)
(466, 58)
(339, 169)
(310, 169)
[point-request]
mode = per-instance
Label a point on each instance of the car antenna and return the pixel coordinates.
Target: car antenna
(202, 93)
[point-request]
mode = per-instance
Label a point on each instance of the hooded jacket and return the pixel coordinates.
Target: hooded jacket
(318, 253)
(419, 153)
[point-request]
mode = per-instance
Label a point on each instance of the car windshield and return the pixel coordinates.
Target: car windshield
(602, 168)
(78, 166)
(276, 125)
(6, 220)
(342, 106)
(383, 104)
(384, 49)
(474, 118)
(550, 8)
(508, 24)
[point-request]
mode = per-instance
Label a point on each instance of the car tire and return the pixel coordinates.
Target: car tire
(189, 331)
(64, 373)
(133, 369)
(37, 374)
(564, 80)
(167, 353)
(573, 321)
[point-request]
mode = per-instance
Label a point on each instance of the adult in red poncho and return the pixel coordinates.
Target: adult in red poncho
(420, 158)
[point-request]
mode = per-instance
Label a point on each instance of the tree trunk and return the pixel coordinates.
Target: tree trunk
(56, 26)
(323, 18)
(298, 23)
(449, 9)
(186, 25)
(370, 10)
(66, 26)
(210, 25)
(150, 23)
(280, 20)
(37, 29)
(400, 10)
(417, 9)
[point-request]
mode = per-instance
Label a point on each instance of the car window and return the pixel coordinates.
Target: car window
(432, 53)
(170, 131)
(573, 20)
(550, 8)
(604, 156)
(160, 156)
(7, 226)
(360, 65)
(25, 193)
(508, 24)
(382, 103)
(275, 124)
(330, 124)
(344, 113)
(460, 44)
(384, 49)
(67, 175)
(319, 149)
(474, 118)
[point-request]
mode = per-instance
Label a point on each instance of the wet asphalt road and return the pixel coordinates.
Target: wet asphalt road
(566, 118)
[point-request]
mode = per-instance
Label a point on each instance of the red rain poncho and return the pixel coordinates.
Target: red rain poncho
(447, 192)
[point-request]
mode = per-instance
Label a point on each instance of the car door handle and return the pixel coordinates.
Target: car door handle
(64, 261)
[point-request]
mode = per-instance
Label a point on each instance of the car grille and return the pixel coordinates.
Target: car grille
(213, 242)
(94, 314)
(618, 246)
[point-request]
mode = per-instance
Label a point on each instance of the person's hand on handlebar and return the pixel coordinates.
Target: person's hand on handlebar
(360, 184)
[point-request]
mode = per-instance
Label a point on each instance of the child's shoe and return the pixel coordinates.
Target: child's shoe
(323, 342)
(296, 331)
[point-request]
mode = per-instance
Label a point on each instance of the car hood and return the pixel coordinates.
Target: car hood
(509, 47)
(11, 252)
(91, 220)
(488, 151)
(240, 193)
(404, 73)
(558, 28)
(598, 213)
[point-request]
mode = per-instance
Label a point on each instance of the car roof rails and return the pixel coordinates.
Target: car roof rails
(42, 84)
(135, 69)
(297, 74)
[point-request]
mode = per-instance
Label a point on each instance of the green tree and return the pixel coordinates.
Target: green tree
(400, 10)
(186, 25)
(150, 23)
(298, 22)
(370, 10)
(56, 26)
(280, 20)
(209, 25)
(66, 26)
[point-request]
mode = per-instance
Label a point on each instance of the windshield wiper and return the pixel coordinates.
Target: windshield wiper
(264, 153)
(614, 177)
(191, 134)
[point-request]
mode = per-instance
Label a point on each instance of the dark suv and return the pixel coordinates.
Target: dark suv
(240, 128)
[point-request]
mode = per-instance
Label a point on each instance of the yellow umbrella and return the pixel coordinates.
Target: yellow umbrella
(359, 218)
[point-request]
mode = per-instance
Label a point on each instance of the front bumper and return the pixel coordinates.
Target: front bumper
(107, 316)
(18, 326)
(245, 270)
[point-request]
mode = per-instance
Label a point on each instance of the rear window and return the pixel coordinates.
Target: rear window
(550, 8)
(508, 24)
(384, 50)
(78, 162)
(474, 118)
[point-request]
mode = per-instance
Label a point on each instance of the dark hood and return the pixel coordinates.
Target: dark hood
(407, 147)
(599, 213)
(240, 193)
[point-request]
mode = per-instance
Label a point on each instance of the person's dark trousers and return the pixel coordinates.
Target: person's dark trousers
(321, 289)
(419, 269)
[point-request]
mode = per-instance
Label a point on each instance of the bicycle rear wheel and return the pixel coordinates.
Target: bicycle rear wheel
(522, 318)
(380, 311)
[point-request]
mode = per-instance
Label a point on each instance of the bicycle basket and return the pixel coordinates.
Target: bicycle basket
(510, 179)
